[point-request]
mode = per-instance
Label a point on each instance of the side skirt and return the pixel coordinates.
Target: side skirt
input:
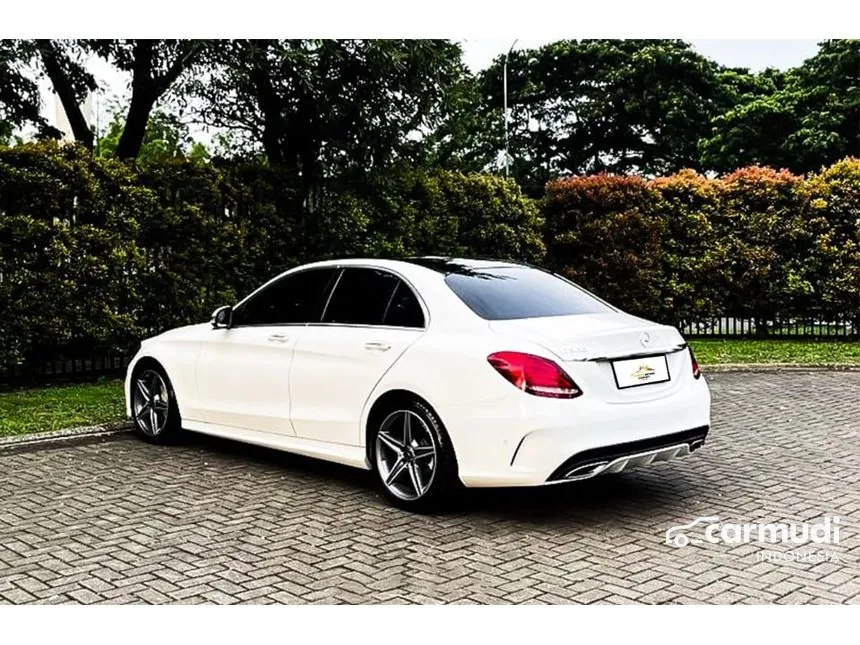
(354, 456)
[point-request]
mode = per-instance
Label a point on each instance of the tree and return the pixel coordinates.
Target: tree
(166, 137)
(154, 66)
(19, 94)
(322, 108)
(810, 117)
(604, 105)
(468, 136)
(61, 61)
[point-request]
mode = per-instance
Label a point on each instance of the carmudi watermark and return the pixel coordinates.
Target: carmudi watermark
(709, 530)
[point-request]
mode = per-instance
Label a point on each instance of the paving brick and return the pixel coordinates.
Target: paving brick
(211, 521)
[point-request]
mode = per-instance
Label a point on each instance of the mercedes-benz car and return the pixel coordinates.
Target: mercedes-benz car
(432, 372)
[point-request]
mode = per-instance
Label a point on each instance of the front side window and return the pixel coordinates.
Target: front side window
(508, 293)
(295, 298)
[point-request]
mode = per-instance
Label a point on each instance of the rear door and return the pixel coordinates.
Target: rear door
(371, 318)
(243, 371)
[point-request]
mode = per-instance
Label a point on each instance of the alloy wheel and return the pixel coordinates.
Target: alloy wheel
(406, 455)
(151, 402)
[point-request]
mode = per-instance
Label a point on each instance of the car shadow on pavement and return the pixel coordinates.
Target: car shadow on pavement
(643, 493)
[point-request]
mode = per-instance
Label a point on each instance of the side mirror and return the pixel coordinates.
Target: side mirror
(222, 317)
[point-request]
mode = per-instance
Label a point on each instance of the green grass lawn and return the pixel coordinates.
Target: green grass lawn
(65, 406)
(715, 352)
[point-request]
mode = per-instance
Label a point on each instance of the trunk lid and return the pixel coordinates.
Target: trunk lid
(587, 344)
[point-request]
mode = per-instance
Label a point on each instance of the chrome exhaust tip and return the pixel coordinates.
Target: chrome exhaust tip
(586, 471)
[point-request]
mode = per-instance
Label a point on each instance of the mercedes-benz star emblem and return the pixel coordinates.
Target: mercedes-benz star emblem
(645, 339)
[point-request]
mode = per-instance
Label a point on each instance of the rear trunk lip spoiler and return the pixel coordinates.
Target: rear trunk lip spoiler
(645, 352)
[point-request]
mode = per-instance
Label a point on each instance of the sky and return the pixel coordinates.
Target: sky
(753, 54)
(478, 54)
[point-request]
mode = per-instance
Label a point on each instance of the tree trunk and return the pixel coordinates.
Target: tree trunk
(63, 87)
(134, 131)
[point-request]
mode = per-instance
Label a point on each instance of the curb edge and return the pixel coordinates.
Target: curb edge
(63, 435)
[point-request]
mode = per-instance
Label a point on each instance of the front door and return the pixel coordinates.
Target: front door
(243, 371)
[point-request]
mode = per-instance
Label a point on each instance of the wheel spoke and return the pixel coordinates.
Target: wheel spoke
(396, 469)
(422, 452)
(153, 420)
(160, 405)
(157, 388)
(407, 428)
(143, 390)
(143, 419)
(415, 476)
(391, 442)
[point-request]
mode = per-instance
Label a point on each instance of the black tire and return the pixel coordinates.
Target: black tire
(167, 420)
(429, 429)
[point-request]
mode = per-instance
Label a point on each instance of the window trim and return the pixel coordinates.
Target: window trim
(343, 267)
(338, 269)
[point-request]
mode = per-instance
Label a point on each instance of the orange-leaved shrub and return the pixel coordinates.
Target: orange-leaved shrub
(601, 232)
(758, 243)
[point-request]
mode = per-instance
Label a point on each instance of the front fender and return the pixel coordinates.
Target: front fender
(179, 360)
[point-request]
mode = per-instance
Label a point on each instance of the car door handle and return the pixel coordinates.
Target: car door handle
(376, 346)
(278, 338)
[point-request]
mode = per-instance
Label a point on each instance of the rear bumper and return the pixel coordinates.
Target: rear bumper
(531, 441)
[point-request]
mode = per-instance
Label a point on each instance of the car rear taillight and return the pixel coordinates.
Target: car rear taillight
(535, 375)
(696, 371)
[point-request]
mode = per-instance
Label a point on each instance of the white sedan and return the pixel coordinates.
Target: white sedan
(432, 372)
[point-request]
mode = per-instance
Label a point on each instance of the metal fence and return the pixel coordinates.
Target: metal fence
(84, 369)
(63, 370)
(785, 329)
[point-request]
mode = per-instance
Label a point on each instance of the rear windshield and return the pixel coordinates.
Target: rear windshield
(507, 293)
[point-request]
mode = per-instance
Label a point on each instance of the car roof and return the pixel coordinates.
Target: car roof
(449, 265)
(444, 265)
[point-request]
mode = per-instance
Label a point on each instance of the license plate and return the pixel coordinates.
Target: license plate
(633, 372)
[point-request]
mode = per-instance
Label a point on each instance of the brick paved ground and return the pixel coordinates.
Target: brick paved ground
(211, 521)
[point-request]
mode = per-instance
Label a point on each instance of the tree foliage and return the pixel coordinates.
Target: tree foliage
(590, 106)
(656, 107)
(336, 109)
(19, 93)
(154, 66)
(328, 107)
(166, 137)
(810, 118)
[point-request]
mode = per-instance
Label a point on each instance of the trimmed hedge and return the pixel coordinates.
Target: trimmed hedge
(758, 243)
(95, 254)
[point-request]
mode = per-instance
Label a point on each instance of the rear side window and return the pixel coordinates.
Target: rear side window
(295, 298)
(508, 293)
(361, 297)
(373, 297)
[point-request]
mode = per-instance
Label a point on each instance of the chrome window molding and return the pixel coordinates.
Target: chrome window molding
(338, 268)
